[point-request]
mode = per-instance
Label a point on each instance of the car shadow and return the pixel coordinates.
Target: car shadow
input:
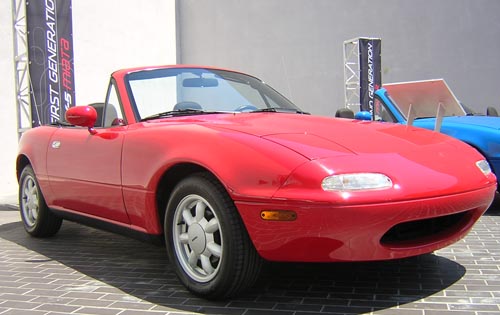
(142, 270)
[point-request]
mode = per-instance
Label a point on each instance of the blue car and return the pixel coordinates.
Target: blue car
(432, 105)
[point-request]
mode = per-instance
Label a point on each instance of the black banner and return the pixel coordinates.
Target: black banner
(50, 51)
(370, 71)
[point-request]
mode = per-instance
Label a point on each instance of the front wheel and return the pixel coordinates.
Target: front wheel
(206, 240)
(38, 220)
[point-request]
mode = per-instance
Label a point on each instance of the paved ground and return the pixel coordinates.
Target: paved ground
(87, 271)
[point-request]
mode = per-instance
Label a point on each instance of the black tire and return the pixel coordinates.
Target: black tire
(206, 240)
(37, 219)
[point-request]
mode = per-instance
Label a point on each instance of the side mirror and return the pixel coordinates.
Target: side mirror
(83, 116)
(364, 115)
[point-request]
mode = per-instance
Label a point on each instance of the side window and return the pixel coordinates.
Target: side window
(113, 115)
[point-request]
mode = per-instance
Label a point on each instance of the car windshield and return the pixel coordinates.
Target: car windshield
(424, 97)
(197, 90)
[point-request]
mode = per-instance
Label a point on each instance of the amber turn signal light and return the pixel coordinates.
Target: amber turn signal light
(278, 215)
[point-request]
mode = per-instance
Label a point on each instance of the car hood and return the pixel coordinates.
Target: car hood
(420, 162)
(320, 137)
(480, 121)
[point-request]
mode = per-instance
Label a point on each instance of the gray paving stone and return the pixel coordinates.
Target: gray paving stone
(15, 304)
(268, 312)
(41, 286)
(52, 300)
(400, 311)
(61, 308)
(23, 312)
(299, 307)
(84, 295)
(135, 312)
(16, 297)
(132, 305)
(425, 306)
(475, 307)
(442, 312)
(98, 311)
(90, 303)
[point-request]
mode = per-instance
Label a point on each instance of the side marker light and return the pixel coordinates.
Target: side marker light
(278, 215)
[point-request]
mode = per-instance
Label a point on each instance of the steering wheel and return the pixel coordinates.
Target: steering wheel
(245, 108)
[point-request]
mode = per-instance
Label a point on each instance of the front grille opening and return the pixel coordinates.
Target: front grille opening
(419, 230)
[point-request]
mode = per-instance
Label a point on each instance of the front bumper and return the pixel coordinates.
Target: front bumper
(326, 232)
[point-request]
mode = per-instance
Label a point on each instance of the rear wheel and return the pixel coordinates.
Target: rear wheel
(206, 241)
(38, 220)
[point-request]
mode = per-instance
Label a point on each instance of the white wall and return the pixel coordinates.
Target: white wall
(114, 34)
(107, 35)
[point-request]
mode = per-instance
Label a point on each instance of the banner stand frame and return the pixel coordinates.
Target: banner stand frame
(21, 63)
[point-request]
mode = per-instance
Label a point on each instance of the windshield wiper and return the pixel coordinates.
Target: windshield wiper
(176, 113)
(279, 110)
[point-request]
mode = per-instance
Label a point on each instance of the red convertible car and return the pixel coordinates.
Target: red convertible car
(229, 173)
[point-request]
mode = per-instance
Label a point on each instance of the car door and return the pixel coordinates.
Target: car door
(85, 169)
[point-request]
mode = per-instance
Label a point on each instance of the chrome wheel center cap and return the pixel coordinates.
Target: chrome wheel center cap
(197, 240)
